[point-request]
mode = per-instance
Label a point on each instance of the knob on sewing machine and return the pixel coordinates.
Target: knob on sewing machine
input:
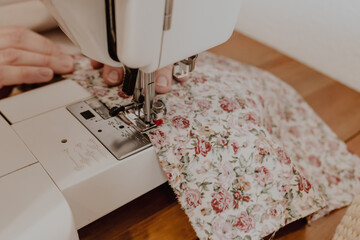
(145, 35)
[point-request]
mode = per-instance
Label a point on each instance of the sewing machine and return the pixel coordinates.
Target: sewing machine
(67, 160)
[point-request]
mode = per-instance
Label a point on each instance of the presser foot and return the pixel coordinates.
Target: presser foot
(185, 67)
(133, 114)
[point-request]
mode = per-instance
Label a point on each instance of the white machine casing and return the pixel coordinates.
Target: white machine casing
(81, 180)
(142, 42)
(71, 178)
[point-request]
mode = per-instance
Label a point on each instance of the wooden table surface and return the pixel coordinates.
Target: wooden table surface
(157, 215)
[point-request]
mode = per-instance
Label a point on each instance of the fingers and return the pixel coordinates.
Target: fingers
(60, 64)
(163, 78)
(10, 75)
(113, 75)
(95, 64)
(25, 39)
(27, 57)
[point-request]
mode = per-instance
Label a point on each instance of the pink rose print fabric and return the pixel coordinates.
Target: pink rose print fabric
(242, 151)
(92, 81)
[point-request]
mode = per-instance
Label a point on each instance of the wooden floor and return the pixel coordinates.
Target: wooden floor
(156, 215)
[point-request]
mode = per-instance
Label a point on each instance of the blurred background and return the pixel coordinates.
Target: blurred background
(323, 34)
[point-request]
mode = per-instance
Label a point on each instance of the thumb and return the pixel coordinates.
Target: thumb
(163, 78)
(113, 75)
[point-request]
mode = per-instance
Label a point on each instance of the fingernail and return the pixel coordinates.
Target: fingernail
(113, 76)
(162, 81)
(46, 72)
(67, 62)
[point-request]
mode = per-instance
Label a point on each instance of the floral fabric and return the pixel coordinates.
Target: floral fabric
(92, 81)
(243, 152)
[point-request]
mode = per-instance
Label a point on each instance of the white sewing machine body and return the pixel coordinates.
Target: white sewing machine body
(55, 173)
(149, 34)
(79, 170)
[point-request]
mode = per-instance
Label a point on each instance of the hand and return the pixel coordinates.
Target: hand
(27, 57)
(114, 76)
